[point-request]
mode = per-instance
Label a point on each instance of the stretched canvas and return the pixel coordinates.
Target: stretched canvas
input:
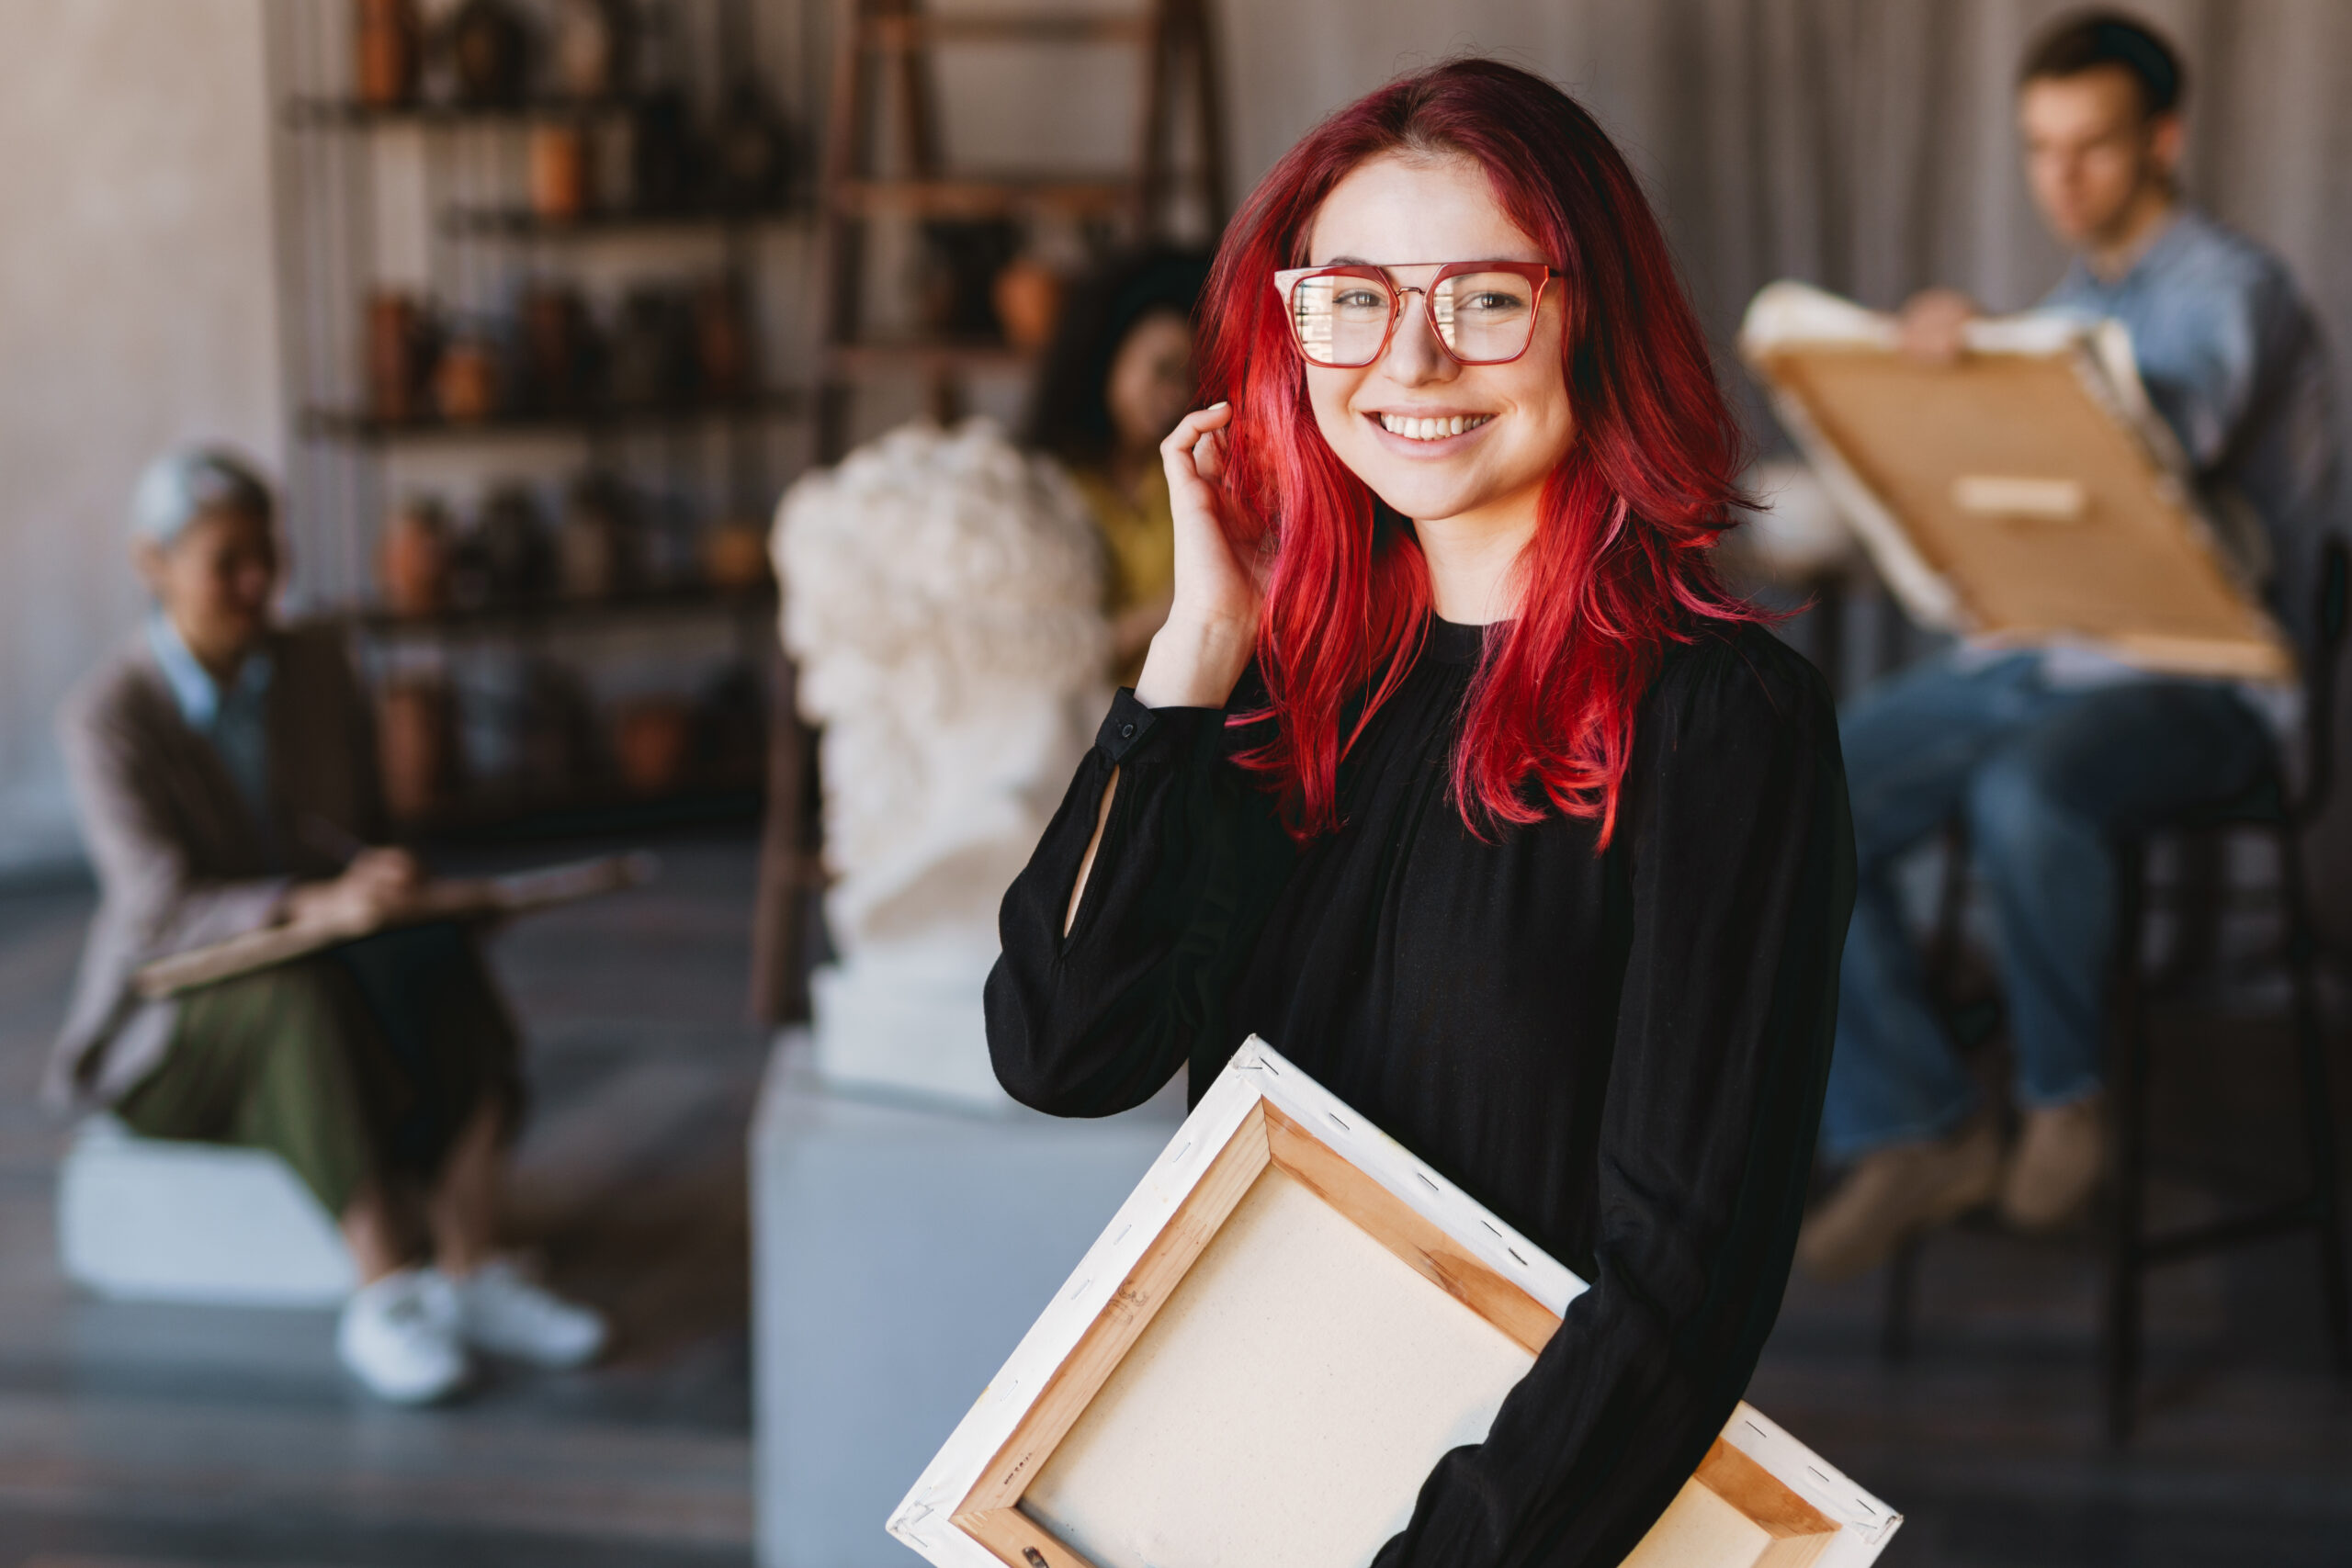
(2028, 493)
(1277, 1336)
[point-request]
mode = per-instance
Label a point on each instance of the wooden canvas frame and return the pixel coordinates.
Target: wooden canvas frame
(1264, 1112)
(2030, 494)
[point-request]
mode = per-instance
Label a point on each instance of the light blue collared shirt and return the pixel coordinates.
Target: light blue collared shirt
(2233, 359)
(236, 721)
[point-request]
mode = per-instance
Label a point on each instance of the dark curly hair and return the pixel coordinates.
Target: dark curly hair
(1068, 414)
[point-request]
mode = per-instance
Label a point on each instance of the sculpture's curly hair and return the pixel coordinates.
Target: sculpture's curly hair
(1618, 568)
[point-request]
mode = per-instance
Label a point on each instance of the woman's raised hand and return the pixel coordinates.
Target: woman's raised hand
(1213, 620)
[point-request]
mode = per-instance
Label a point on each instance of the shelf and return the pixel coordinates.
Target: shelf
(693, 599)
(985, 198)
(857, 358)
(350, 114)
(522, 223)
(913, 32)
(345, 425)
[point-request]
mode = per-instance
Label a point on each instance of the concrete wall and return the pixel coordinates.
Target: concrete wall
(136, 309)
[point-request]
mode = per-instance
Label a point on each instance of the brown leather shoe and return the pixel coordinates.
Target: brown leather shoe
(2055, 1167)
(1893, 1194)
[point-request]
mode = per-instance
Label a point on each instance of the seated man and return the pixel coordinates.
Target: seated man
(224, 772)
(2044, 756)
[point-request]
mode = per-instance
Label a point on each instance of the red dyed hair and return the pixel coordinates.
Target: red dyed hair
(1617, 569)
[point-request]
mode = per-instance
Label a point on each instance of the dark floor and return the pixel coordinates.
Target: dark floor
(165, 1437)
(152, 1437)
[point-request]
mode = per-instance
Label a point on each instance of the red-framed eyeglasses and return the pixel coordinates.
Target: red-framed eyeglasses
(1482, 313)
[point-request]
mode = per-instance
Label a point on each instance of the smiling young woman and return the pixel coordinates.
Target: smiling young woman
(1456, 775)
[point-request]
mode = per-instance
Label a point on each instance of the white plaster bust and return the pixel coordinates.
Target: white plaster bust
(942, 597)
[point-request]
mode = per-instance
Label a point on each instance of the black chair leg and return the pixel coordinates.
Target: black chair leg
(1902, 1297)
(2319, 1104)
(2128, 1171)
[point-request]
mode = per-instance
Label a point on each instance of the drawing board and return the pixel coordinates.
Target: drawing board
(2028, 494)
(1277, 1336)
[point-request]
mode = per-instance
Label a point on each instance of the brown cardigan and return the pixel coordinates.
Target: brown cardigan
(179, 862)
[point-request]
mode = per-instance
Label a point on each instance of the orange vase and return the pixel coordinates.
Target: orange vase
(414, 562)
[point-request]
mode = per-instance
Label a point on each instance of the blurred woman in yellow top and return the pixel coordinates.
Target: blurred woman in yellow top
(1116, 379)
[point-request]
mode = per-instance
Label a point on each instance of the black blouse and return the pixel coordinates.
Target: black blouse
(1621, 1054)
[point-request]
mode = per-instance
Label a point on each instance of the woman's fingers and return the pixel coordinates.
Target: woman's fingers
(1181, 450)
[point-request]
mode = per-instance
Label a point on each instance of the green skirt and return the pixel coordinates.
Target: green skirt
(361, 1063)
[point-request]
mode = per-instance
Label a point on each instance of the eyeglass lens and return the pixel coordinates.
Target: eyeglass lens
(1481, 317)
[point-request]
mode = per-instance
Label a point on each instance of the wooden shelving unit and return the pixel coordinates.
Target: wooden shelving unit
(435, 198)
(883, 65)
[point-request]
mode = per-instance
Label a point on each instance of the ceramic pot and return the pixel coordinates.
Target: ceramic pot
(413, 740)
(593, 39)
(652, 350)
(594, 559)
(399, 348)
(465, 382)
(517, 555)
(414, 559)
(558, 166)
(722, 343)
(735, 557)
(487, 53)
(650, 742)
(1028, 296)
(559, 348)
(391, 45)
(750, 158)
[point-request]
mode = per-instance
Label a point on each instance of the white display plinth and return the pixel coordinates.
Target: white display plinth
(142, 1219)
(863, 1210)
(906, 1022)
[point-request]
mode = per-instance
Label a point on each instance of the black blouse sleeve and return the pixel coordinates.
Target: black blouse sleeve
(1740, 860)
(1096, 1022)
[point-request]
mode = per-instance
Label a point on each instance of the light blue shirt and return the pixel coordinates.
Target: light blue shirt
(2233, 359)
(236, 721)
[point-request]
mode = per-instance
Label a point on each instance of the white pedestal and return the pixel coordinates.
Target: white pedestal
(142, 1218)
(899, 1254)
(911, 1023)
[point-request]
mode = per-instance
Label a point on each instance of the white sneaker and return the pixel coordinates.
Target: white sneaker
(399, 1336)
(504, 1313)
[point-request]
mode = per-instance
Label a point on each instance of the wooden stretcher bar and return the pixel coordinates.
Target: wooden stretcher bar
(494, 898)
(2027, 494)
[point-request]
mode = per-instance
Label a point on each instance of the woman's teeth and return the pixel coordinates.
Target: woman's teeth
(1432, 429)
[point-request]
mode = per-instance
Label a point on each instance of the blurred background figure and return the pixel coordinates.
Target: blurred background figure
(225, 775)
(2047, 756)
(1115, 380)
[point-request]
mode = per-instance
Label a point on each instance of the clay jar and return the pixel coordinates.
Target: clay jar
(559, 163)
(735, 557)
(593, 555)
(487, 45)
(722, 343)
(650, 742)
(465, 382)
(558, 349)
(390, 39)
(414, 738)
(592, 48)
(1028, 296)
(414, 559)
(399, 347)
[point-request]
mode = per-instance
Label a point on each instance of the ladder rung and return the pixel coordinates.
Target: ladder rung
(904, 32)
(982, 197)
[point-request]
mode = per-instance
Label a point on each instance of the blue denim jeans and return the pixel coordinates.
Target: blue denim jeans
(2046, 779)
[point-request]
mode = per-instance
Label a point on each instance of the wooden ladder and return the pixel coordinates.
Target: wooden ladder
(889, 43)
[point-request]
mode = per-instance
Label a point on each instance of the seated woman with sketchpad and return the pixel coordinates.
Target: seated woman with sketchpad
(224, 772)
(1456, 774)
